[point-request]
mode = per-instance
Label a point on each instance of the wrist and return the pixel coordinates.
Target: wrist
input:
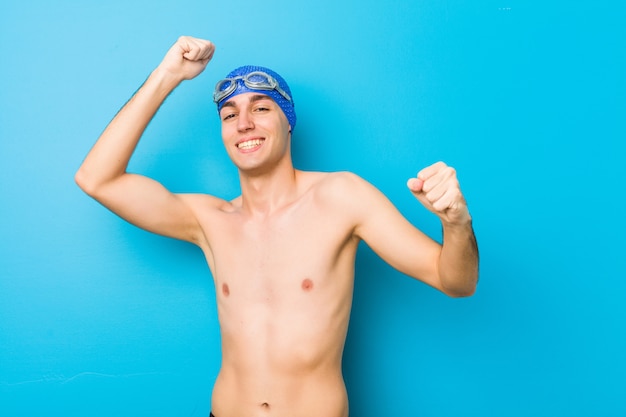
(458, 224)
(164, 80)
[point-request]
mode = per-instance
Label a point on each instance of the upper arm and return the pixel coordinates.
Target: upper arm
(149, 205)
(391, 236)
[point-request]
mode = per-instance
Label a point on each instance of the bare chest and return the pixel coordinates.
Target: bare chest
(293, 251)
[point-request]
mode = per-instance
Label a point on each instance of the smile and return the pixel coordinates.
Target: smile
(249, 144)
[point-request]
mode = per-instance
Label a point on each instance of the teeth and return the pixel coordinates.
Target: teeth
(250, 144)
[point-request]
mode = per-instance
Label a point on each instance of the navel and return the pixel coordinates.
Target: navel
(225, 289)
(307, 284)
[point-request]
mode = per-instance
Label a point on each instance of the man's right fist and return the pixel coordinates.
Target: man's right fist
(188, 57)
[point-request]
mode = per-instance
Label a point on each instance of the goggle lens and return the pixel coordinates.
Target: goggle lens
(256, 80)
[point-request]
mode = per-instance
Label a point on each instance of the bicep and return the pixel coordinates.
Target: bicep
(149, 205)
(392, 237)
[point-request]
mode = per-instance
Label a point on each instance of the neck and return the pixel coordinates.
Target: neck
(264, 193)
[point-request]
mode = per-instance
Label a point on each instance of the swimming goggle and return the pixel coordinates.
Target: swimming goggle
(256, 80)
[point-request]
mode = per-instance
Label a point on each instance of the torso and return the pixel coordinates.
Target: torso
(284, 292)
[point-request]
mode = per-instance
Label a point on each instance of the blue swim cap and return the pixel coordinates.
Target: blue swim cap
(287, 106)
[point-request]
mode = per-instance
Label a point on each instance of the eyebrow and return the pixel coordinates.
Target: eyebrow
(254, 98)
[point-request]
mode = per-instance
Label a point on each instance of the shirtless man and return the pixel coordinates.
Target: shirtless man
(282, 254)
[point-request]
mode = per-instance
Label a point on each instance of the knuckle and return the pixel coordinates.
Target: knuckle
(440, 165)
(449, 172)
(439, 205)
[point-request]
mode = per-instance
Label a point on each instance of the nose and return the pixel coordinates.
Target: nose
(244, 121)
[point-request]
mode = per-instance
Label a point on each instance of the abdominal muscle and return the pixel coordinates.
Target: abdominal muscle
(282, 356)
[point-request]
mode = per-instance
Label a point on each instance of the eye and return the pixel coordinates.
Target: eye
(228, 116)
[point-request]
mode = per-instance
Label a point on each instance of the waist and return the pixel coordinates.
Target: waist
(271, 392)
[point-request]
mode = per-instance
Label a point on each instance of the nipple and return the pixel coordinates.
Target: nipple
(225, 290)
(307, 284)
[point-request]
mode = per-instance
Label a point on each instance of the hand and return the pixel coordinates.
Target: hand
(437, 188)
(187, 58)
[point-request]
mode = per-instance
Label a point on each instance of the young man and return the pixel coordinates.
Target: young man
(282, 254)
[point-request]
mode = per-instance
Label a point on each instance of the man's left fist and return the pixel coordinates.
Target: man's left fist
(437, 188)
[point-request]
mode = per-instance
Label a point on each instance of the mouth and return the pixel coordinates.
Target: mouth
(249, 144)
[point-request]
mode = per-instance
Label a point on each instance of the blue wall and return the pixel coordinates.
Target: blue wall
(527, 99)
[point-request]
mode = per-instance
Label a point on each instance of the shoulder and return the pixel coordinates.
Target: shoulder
(329, 183)
(206, 203)
(342, 190)
(336, 180)
(208, 212)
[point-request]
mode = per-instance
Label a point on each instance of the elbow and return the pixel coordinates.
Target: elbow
(467, 288)
(81, 180)
(92, 183)
(460, 293)
(85, 182)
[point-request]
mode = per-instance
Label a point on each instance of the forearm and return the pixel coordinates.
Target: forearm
(458, 261)
(109, 157)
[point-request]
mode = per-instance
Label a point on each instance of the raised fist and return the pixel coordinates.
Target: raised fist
(188, 57)
(437, 188)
